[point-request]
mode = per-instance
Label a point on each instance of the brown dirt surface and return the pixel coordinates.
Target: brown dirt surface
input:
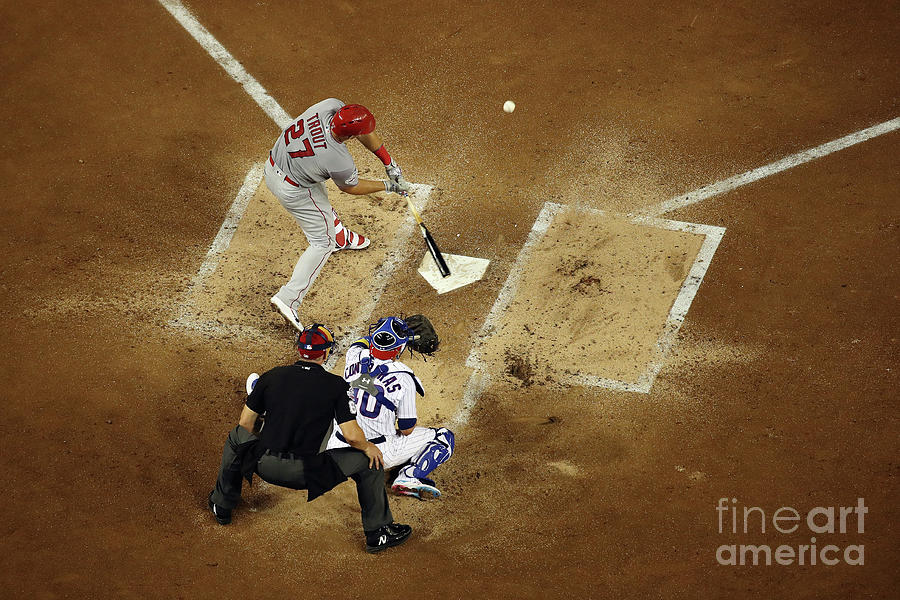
(596, 289)
(125, 145)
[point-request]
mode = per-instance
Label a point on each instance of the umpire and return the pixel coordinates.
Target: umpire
(300, 403)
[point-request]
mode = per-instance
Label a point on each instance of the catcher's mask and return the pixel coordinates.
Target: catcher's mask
(315, 342)
(388, 338)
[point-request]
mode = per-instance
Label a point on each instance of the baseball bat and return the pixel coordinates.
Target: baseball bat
(429, 241)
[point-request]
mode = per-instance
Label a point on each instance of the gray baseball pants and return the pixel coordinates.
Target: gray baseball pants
(311, 209)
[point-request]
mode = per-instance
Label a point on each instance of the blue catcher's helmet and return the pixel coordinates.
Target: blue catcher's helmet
(388, 338)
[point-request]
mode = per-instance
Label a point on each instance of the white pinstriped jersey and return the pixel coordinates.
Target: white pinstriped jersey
(397, 385)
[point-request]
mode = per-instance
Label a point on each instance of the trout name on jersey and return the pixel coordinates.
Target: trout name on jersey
(315, 132)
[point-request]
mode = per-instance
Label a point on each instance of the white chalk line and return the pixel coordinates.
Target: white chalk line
(257, 92)
(788, 162)
(183, 318)
(480, 377)
(508, 291)
(421, 193)
(478, 381)
(712, 236)
(281, 118)
(380, 276)
(475, 386)
(224, 58)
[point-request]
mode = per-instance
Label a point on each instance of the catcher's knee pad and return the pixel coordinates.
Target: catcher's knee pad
(445, 436)
(435, 453)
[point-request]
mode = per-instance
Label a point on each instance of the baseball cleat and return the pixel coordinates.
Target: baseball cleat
(251, 382)
(386, 537)
(415, 488)
(350, 240)
(344, 239)
(223, 515)
(287, 312)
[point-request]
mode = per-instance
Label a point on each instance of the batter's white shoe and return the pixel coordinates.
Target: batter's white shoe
(417, 488)
(350, 240)
(287, 312)
(251, 382)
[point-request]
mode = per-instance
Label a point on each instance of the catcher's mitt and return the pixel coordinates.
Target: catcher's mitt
(426, 339)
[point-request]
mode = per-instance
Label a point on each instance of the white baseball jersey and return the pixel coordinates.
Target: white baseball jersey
(307, 152)
(379, 414)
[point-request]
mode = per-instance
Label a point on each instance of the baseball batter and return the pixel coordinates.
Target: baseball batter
(305, 155)
(384, 390)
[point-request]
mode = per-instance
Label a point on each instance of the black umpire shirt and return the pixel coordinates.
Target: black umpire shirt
(299, 401)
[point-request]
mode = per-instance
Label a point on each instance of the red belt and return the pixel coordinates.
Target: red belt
(286, 178)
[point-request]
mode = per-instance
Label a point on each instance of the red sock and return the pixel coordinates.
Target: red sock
(339, 236)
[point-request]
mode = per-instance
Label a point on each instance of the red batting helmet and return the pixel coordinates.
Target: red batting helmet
(315, 342)
(352, 119)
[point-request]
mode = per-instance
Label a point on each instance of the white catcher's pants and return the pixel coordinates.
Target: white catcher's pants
(397, 449)
(312, 211)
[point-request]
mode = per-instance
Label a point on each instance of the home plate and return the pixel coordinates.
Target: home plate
(463, 271)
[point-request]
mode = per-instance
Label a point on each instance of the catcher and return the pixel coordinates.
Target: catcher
(384, 390)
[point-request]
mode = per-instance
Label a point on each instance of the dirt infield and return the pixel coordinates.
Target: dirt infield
(126, 145)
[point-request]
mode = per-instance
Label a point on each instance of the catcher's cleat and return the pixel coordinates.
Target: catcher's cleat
(287, 312)
(417, 488)
(350, 240)
(252, 378)
(223, 515)
(386, 537)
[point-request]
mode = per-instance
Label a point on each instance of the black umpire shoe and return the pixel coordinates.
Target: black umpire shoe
(387, 536)
(223, 515)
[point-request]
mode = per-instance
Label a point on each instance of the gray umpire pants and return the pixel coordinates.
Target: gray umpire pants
(288, 472)
(311, 209)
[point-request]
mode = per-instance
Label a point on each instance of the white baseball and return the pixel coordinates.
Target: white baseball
(509, 106)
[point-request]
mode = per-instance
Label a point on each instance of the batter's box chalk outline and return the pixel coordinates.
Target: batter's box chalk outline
(183, 318)
(712, 236)
(421, 194)
(185, 314)
(478, 380)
